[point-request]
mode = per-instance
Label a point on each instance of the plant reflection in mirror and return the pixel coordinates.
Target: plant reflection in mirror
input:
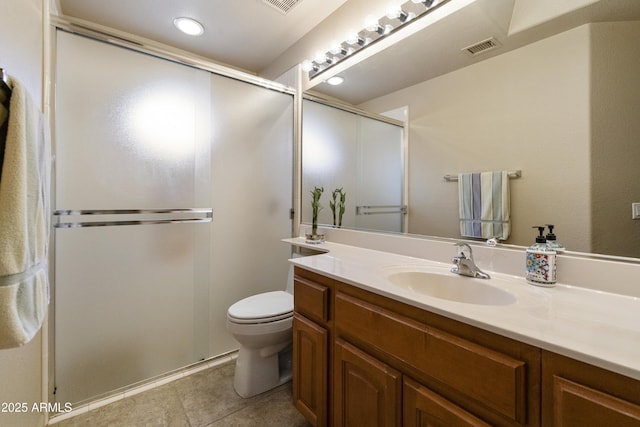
(338, 206)
(316, 207)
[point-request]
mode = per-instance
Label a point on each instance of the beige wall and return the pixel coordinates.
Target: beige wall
(528, 14)
(21, 51)
(527, 109)
(615, 161)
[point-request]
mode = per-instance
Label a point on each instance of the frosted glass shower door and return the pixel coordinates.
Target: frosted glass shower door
(379, 184)
(132, 148)
(252, 187)
(362, 156)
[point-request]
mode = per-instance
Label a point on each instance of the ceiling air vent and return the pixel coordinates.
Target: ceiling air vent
(283, 6)
(482, 47)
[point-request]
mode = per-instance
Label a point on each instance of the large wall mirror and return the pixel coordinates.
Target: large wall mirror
(558, 98)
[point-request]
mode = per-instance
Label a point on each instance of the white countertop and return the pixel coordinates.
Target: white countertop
(592, 326)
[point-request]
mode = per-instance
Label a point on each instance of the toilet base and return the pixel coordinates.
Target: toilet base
(257, 373)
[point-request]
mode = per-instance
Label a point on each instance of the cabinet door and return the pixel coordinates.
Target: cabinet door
(310, 367)
(367, 392)
(576, 405)
(576, 394)
(424, 408)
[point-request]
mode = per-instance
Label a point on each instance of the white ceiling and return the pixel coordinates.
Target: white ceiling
(251, 35)
(245, 34)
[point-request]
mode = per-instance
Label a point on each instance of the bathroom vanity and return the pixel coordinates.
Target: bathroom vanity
(370, 353)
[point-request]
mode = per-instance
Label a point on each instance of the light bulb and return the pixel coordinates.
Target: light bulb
(393, 11)
(307, 65)
(427, 3)
(336, 48)
(371, 23)
(352, 37)
(320, 57)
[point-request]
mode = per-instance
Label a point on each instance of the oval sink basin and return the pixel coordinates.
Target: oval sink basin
(451, 287)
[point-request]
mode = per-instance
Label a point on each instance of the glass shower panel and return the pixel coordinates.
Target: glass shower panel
(132, 135)
(128, 128)
(380, 179)
(361, 155)
(252, 188)
(125, 306)
(329, 154)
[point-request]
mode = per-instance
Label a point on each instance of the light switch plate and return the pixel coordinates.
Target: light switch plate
(635, 210)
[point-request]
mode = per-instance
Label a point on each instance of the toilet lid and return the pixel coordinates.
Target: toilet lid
(266, 306)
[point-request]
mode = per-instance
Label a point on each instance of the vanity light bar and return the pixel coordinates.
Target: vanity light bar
(373, 31)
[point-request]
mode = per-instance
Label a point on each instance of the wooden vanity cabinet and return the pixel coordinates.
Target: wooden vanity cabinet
(312, 345)
(364, 359)
(368, 392)
(576, 394)
(452, 372)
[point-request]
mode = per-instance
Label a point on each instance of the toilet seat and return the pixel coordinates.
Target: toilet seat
(262, 308)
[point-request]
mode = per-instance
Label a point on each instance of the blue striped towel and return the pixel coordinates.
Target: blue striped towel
(484, 205)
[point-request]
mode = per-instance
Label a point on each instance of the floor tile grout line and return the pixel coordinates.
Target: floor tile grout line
(181, 400)
(256, 400)
(217, 361)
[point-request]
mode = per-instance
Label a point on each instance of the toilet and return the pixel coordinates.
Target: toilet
(263, 325)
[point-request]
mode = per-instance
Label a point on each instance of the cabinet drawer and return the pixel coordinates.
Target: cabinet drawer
(493, 379)
(311, 297)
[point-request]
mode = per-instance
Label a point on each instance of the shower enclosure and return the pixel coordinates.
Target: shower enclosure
(173, 186)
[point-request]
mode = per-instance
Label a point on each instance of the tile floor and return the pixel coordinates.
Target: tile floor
(204, 399)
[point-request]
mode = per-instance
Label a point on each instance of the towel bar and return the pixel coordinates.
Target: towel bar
(390, 209)
(512, 174)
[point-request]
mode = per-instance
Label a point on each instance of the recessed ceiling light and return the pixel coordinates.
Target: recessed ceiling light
(189, 26)
(335, 80)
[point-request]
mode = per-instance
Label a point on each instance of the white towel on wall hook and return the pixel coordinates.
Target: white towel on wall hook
(24, 221)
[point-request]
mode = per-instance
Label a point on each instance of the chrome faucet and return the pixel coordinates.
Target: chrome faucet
(465, 266)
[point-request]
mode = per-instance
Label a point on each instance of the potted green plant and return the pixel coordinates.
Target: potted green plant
(337, 205)
(314, 237)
